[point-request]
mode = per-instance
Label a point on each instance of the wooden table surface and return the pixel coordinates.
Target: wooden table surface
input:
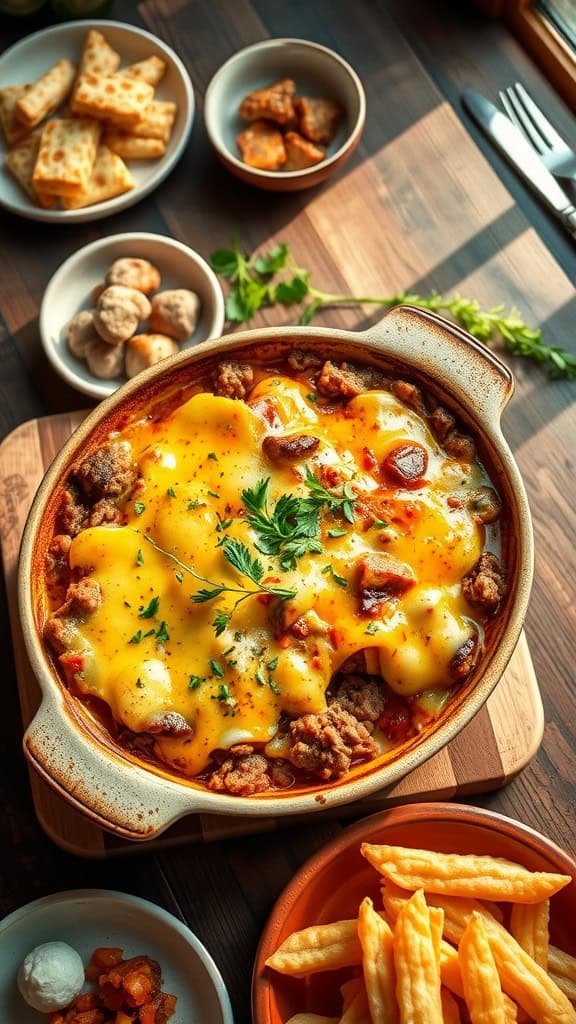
(424, 203)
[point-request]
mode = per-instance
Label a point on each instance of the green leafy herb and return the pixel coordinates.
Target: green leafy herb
(337, 532)
(329, 569)
(371, 628)
(213, 494)
(252, 288)
(380, 524)
(162, 634)
(171, 492)
(139, 557)
(150, 610)
(312, 398)
(272, 665)
(216, 668)
(151, 632)
(213, 456)
(221, 622)
(139, 507)
(136, 638)
(194, 682)
(273, 686)
(193, 504)
(179, 577)
(224, 695)
(260, 678)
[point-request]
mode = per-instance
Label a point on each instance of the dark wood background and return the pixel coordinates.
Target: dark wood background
(424, 203)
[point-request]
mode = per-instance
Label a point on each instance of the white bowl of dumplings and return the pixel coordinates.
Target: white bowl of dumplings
(123, 303)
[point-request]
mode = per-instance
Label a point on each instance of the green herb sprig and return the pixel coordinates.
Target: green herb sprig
(254, 286)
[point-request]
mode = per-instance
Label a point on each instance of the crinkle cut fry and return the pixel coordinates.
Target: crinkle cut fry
(454, 874)
(529, 925)
(323, 947)
(480, 978)
(312, 1018)
(451, 978)
(417, 967)
(357, 1011)
(525, 981)
(376, 940)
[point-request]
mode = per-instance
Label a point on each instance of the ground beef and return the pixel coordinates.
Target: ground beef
(328, 743)
(361, 696)
(442, 423)
(301, 361)
(107, 473)
(242, 776)
(381, 577)
(484, 586)
(233, 380)
(464, 660)
(72, 514)
(409, 394)
(57, 569)
(82, 598)
(171, 723)
(59, 633)
(289, 449)
(105, 512)
(346, 381)
(460, 446)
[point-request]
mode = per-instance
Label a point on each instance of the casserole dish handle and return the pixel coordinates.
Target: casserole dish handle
(114, 793)
(450, 356)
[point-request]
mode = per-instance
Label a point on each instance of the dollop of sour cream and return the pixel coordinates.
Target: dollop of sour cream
(51, 976)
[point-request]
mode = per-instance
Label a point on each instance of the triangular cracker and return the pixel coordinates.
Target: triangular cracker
(21, 161)
(110, 177)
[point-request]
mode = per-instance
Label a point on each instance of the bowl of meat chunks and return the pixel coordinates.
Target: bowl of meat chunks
(284, 114)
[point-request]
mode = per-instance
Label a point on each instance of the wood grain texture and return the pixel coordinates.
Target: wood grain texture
(423, 203)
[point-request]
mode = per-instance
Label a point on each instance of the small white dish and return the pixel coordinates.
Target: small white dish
(317, 71)
(88, 918)
(70, 290)
(33, 56)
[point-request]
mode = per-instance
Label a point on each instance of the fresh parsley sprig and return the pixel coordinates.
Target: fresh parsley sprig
(238, 555)
(253, 286)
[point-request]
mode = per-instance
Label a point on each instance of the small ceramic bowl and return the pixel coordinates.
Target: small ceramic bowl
(317, 71)
(331, 885)
(88, 918)
(70, 290)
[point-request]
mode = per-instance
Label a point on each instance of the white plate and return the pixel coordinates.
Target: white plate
(34, 55)
(87, 918)
(69, 291)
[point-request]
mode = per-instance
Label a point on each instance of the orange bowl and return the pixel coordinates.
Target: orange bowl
(331, 885)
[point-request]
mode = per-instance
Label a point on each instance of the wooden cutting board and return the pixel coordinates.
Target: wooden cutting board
(491, 750)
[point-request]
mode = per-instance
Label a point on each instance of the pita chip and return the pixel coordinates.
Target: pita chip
(132, 147)
(150, 70)
(21, 161)
(98, 57)
(157, 121)
(13, 129)
(113, 98)
(110, 177)
(42, 98)
(66, 156)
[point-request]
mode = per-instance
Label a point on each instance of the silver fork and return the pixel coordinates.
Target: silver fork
(554, 153)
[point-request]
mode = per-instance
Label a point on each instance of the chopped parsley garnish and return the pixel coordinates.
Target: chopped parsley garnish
(223, 524)
(274, 686)
(372, 627)
(151, 632)
(150, 610)
(272, 664)
(193, 504)
(139, 507)
(329, 569)
(337, 531)
(221, 622)
(136, 638)
(139, 557)
(194, 682)
(213, 456)
(213, 494)
(380, 524)
(260, 678)
(224, 695)
(162, 634)
(216, 668)
(312, 398)
(179, 576)
(171, 492)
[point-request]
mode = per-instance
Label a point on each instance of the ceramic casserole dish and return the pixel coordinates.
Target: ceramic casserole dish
(117, 784)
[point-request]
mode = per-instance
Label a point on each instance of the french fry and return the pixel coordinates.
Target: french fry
(312, 1018)
(451, 977)
(482, 989)
(323, 947)
(529, 926)
(43, 98)
(450, 1008)
(457, 909)
(150, 70)
(376, 940)
(525, 981)
(358, 1011)
(417, 967)
(453, 874)
(561, 963)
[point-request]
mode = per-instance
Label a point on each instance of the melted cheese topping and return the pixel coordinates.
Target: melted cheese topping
(151, 650)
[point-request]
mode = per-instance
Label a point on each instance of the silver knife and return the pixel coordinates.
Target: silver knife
(511, 142)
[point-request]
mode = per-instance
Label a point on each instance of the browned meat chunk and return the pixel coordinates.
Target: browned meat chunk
(484, 587)
(72, 514)
(105, 512)
(409, 394)
(57, 568)
(318, 118)
(442, 423)
(171, 723)
(381, 577)
(83, 598)
(289, 449)
(302, 361)
(59, 633)
(274, 103)
(460, 447)
(464, 660)
(233, 380)
(346, 381)
(262, 146)
(406, 465)
(108, 473)
(241, 775)
(301, 153)
(361, 696)
(328, 743)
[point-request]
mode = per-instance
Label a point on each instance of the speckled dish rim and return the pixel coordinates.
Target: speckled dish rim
(116, 790)
(320, 169)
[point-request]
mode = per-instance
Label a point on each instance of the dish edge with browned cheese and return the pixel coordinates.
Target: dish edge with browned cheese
(330, 886)
(40, 51)
(139, 803)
